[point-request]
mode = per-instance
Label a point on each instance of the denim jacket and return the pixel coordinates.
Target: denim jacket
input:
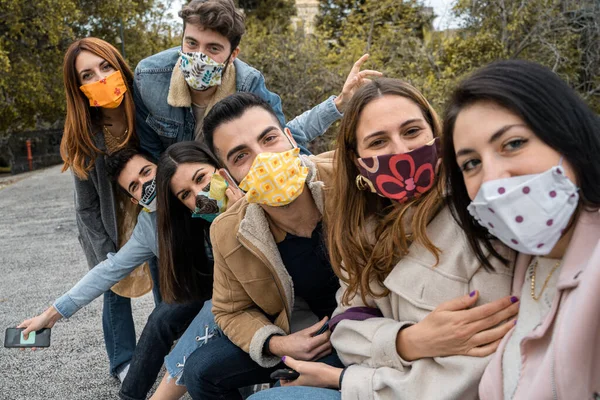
(140, 247)
(159, 124)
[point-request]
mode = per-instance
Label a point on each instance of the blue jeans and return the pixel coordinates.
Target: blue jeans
(297, 393)
(201, 330)
(165, 324)
(153, 263)
(219, 368)
(119, 331)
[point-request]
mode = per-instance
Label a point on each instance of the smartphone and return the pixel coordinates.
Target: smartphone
(285, 373)
(322, 329)
(14, 338)
(229, 179)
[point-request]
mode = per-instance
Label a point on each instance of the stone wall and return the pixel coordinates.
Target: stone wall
(307, 11)
(45, 149)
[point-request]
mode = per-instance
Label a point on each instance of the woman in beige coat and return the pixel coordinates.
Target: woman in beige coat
(404, 326)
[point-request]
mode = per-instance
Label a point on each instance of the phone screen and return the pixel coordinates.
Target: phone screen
(14, 338)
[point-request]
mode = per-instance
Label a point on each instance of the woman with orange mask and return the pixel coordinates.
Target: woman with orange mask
(100, 121)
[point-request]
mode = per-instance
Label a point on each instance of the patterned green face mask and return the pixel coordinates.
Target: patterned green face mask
(200, 71)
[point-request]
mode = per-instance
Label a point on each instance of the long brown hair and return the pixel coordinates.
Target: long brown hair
(367, 258)
(77, 147)
(185, 272)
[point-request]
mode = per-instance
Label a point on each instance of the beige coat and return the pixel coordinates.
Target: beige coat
(253, 294)
(417, 287)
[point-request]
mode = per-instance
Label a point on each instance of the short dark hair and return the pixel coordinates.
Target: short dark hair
(230, 108)
(116, 162)
(550, 108)
(218, 15)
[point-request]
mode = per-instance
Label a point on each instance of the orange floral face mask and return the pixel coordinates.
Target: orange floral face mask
(107, 92)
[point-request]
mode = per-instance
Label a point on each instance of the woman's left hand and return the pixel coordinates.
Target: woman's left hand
(314, 374)
(356, 78)
(233, 192)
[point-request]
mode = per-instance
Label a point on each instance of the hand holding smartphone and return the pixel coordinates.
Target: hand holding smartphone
(287, 374)
(13, 338)
(322, 329)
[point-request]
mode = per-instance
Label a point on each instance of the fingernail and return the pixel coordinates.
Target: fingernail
(515, 322)
(472, 293)
(514, 299)
(283, 358)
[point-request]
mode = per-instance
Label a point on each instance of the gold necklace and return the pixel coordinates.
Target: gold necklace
(535, 264)
(120, 137)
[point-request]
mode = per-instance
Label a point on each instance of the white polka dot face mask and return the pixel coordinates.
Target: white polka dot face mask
(529, 212)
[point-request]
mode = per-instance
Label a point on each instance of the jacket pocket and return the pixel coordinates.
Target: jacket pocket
(164, 127)
(424, 287)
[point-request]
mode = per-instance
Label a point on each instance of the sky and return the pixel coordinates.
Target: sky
(441, 8)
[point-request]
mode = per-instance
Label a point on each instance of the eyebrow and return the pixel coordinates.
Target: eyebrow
(196, 173)
(495, 137)
(379, 133)
(129, 188)
(240, 147)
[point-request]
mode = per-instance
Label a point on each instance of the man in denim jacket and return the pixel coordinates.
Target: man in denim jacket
(167, 322)
(171, 101)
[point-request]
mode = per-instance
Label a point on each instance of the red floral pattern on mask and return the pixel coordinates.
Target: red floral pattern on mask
(401, 177)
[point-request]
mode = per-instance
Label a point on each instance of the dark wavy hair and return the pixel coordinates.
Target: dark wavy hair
(185, 271)
(549, 107)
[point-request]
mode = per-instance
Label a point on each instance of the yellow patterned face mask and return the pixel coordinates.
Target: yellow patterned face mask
(275, 179)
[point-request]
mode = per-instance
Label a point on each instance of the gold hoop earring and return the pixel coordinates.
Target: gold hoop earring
(360, 182)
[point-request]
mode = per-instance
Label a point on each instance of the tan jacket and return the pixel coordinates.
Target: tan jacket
(253, 294)
(417, 287)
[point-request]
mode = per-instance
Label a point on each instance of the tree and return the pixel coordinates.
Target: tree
(35, 35)
(276, 12)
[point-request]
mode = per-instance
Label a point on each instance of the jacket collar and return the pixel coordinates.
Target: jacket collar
(255, 228)
(179, 92)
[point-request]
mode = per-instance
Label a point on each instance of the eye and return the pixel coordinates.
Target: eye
(414, 131)
(107, 67)
(514, 144)
(377, 143)
(215, 49)
(469, 165)
(146, 172)
(86, 76)
(270, 138)
(239, 157)
(200, 178)
(184, 195)
(191, 43)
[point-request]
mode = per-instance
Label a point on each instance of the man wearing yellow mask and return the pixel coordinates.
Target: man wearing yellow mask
(274, 288)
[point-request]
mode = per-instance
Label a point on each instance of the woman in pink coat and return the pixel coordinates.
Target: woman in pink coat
(522, 154)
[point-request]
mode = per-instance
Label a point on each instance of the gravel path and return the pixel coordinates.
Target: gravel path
(40, 259)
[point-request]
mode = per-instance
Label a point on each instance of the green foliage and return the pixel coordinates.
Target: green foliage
(305, 69)
(277, 12)
(35, 35)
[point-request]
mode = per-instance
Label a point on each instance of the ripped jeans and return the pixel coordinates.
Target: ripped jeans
(200, 331)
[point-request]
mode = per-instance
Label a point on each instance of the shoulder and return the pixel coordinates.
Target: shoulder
(245, 75)
(223, 230)
(159, 63)
(324, 165)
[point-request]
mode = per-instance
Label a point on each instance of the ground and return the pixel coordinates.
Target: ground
(40, 259)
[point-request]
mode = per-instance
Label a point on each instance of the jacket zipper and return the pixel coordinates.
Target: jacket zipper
(278, 283)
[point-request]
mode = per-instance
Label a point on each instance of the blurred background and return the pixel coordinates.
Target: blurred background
(303, 47)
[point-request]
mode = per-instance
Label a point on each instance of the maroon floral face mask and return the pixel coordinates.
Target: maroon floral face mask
(400, 177)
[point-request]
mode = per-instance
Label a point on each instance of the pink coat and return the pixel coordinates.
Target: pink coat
(569, 367)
